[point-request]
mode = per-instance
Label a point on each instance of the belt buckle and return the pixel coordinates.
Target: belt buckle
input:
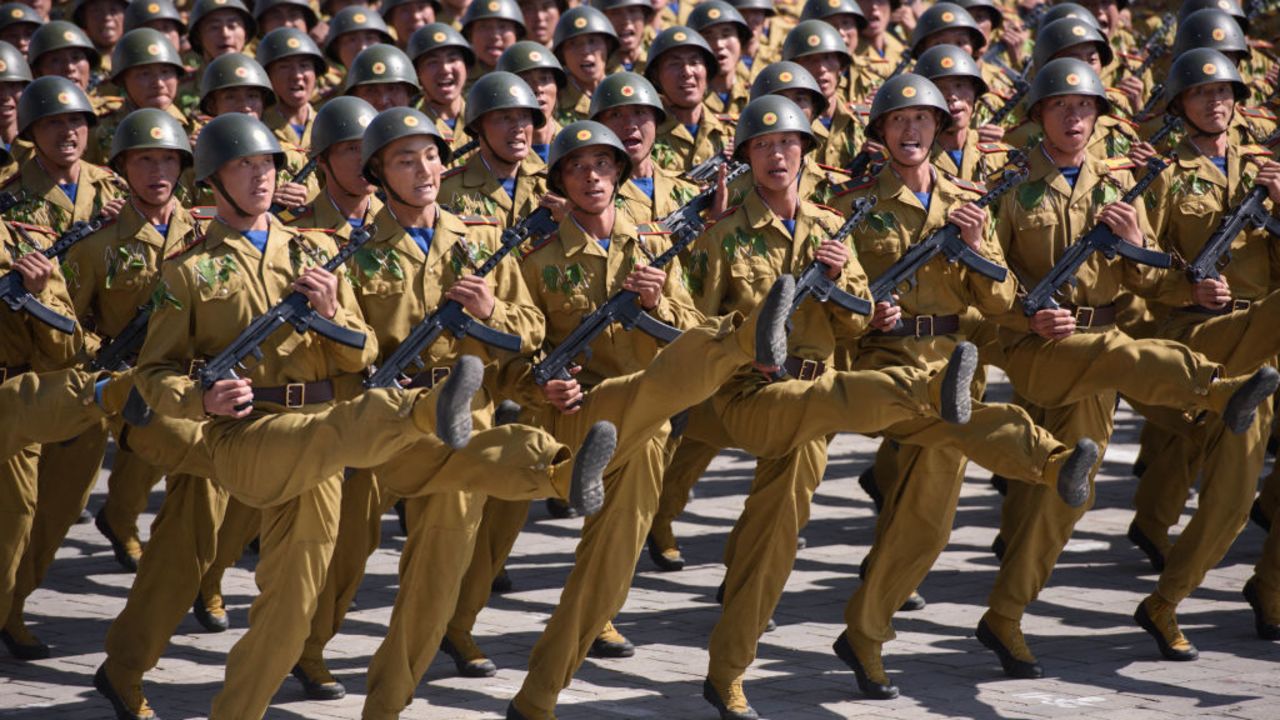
(808, 370)
(1237, 305)
(292, 391)
(438, 375)
(923, 321)
(1084, 316)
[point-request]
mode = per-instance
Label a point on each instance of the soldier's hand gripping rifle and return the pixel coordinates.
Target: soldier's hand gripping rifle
(19, 299)
(1216, 253)
(305, 172)
(706, 171)
(685, 225)
(452, 317)
(813, 281)
(946, 241)
(293, 310)
(1100, 238)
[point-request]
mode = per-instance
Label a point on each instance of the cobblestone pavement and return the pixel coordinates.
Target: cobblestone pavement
(1099, 664)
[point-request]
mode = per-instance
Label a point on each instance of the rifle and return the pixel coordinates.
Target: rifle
(1216, 253)
(705, 171)
(1021, 88)
(120, 351)
(451, 316)
(1100, 238)
(1154, 47)
(18, 298)
(685, 225)
(813, 281)
(946, 241)
(9, 200)
(1149, 106)
(293, 310)
(301, 178)
(862, 162)
(901, 66)
(465, 148)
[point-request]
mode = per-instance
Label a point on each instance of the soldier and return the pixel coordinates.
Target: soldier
(274, 14)
(819, 48)
(1219, 30)
(629, 19)
(103, 21)
(147, 69)
(1071, 37)
(491, 26)
(946, 23)
(767, 33)
(880, 49)
(441, 56)
(219, 27)
(1008, 40)
(680, 65)
(162, 16)
(382, 75)
(18, 22)
(351, 30)
(727, 34)
(958, 150)
(857, 83)
(540, 18)
(1259, 63)
(583, 43)
(405, 17)
(539, 68)
(14, 78)
(294, 65)
(1070, 362)
(60, 48)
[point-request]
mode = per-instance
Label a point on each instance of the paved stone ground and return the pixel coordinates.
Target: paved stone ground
(1100, 665)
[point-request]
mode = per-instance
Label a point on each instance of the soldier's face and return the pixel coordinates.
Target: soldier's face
(543, 84)
(490, 36)
(589, 176)
(409, 17)
(804, 100)
(293, 79)
(1085, 52)
(1209, 107)
(383, 95)
(247, 100)
(442, 74)
(508, 133)
(152, 174)
(877, 13)
(151, 86)
(9, 93)
(959, 37)
(60, 139)
(342, 164)
(755, 20)
(1106, 11)
(847, 24)
(280, 16)
(826, 69)
(629, 23)
(222, 32)
(70, 63)
(726, 44)
(584, 57)
(104, 21)
(636, 126)
(349, 44)
(682, 76)
(984, 18)
(960, 95)
(411, 168)
(171, 30)
(250, 181)
(775, 159)
(1068, 121)
(540, 18)
(908, 134)
(19, 35)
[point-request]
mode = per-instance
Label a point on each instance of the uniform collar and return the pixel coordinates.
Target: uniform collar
(448, 227)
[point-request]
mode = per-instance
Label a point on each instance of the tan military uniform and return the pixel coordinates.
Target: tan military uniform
(284, 130)
(48, 206)
(881, 65)
(670, 193)
(455, 136)
(840, 143)
(738, 97)
(677, 150)
(473, 190)
(1112, 137)
(573, 103)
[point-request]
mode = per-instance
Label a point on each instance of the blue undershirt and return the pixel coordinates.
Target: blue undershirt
(693, 129)
(826, 121)
(1220, 161)
(509, 184)
(422, 237)
(645, 184)
(542, 149)
(451, 122)
(356, 222)
(604, 243)
(791, 226)
(628, 65)
(299, 129)
(923, 197)
(70, 190)
(162, 229)
(1070, 174)
(957, 156)
(258, 238)
(724, 97)
(748, 60)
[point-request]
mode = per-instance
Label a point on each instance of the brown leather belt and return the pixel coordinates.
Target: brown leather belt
(295, 395)
(924, 326)
(1233, 306)
(9, 371)
(1092, 317)
(429, 378)
(801, 369)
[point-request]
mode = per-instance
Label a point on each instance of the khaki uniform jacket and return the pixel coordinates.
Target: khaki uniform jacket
(670, 193)
(978, 161)
(210, 294)
(838, 144)
(455, 136)
(1038, 220)
(739, 95)
(1113, 136)
(819, 184)
(874, 62)
(573, 103)
(273, 118)
(473, 190)
(322, 214)
(47, 205)
(678, 151)
(24, 340)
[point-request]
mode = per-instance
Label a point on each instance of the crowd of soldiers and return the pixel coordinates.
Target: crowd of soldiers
(307, 263)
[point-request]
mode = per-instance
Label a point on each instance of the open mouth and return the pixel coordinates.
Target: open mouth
(632, 142)
(595, 193)
(911, 146)
(588, 67)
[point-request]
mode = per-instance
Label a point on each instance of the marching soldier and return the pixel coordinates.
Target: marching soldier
(540, 18)
(1213, 28)
(727, 34)
(946, 23)
(767, 33)
(630, 20)
(219, 27)
(382, 75)
(60, 48)
(819, 48)
(880, 49)
(404, 17)
(271, 15)
(442, 57)
(295, 65)
(546, 78)
(103, 22)
(491, 26)
(583, 43)
(351, 30)
(958, 150)
(857, 83)
(14, 78)
(147, 69)
(680, 66)
(18, 22)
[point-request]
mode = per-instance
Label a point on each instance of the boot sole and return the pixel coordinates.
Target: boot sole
(586, 491)
(1073, 479)
(1242, 408)
(957, 398)
(453, 408)
(771, 330)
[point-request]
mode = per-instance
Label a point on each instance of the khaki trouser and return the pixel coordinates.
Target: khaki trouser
(500, 525)
(240, 525)
(17, 513)
(128, 489)
(692, 458)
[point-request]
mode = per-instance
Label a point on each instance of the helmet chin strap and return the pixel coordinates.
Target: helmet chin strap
(217, 185)
(333, 176)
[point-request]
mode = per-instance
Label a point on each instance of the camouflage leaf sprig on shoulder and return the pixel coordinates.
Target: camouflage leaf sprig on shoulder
(124, 257)
(1031, 194)
(665, 155)
(1105, 194)
(565, 279)
(162, 296)
(741, 242)
(216, 272)
(475, 255)
(683, 194)
(882, 222)
(372, 262)
(693, 272)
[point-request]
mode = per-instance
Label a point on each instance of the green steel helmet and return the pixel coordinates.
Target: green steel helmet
(233, 70)
(260, 8)
(582, 134)
(498, 90)
(1205, 29)
(77, 11)
(582, 20)
(528, 55)
(765, 6)
(718, 12)
(286, 42)
(823, 9)
(391, 125)
(1230, 7)
(51, 95)
(339, 120)
(770, 114)
(945, 16)
(942, 61)
(16, 13)
(997, 17)
(435, 36)
(1065, 10)
(386, 7)
(381, 65)
(905, 91)
(1066, 33)
(786, 75)
(1067, 76)
(58, 35)
(607, 5)
(149, 129)
(138, 14)
(13, 66)
(351, 19)
(1203, 66)
(626, 88)
(815, 37)
(494, 9)
(144, 46)
(203, 8)
(678, 36)
(232, 136)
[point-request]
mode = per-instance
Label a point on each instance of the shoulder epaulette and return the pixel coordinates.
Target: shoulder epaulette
(1125, 121)
(994, 147)
(967, 185)
(860, 110)
(452, 171)
(727, 119)
(33, 228)
(731, 210)
(1254, 111)
(859, 183)
(304, 231)
(828, 208)
(479, 220)
(1119, 163)
(539, 245)
(834, 169)
(651, 229)
(289, 215)
(1249, 150)
(204, 212)
(1261, 44)
(196, 240)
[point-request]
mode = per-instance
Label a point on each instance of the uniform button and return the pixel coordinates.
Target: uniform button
(565, 306)
(540, 467)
